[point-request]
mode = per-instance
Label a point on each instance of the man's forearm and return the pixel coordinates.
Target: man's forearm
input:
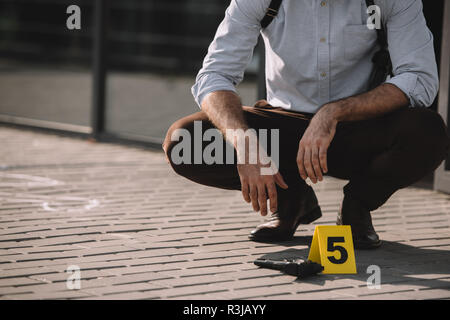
(377, 102)
(224, 110)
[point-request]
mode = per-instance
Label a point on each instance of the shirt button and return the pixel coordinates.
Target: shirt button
(323, 40)
(323, 74)
(323, 3)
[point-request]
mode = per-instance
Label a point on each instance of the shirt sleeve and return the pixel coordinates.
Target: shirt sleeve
(412, 53)
(232, 48)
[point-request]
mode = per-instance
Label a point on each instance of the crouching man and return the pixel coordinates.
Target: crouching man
(329, 117)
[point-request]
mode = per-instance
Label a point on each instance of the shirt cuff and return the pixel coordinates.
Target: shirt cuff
(407, 83)
(208, 83)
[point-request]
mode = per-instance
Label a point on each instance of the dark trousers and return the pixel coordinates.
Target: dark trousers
(377, 156)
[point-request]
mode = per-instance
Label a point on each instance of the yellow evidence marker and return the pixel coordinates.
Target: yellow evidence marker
(332, 247)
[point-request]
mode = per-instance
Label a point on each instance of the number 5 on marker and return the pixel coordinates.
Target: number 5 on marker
(332, 247)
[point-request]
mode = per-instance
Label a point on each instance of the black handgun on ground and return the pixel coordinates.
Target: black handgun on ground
(293, 268)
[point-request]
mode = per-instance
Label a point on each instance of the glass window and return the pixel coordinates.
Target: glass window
(155, 48)
(45, 67)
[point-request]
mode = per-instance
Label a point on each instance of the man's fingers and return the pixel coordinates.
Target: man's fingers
(280, 181)
(254, 197)
(245, 191)
(300, 163)
(262, 199)
(308, 165)
(323, 158)
(272, 193)
(316, 163)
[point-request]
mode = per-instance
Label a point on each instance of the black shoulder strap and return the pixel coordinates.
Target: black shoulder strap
(271, 13)
(381, 59)
(381, 33)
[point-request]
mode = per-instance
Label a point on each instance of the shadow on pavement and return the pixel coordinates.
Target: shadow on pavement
(399, 263)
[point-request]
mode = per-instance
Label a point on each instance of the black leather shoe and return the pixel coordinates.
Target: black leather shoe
(294, 208)
(354, 214)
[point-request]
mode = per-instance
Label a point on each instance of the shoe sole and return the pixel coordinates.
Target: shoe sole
(312, 216)
(362, 245)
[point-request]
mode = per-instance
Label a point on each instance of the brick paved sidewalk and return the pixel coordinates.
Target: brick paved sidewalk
(138, 231)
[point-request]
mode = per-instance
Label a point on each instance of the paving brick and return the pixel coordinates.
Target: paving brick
(25, 272)
(124, 296)
(5, 291)
(121, 288)
(63, 276)
(152, 277)
(432, 294)
(189, 290)
(262, 293)
(18, 281)
(72, 294)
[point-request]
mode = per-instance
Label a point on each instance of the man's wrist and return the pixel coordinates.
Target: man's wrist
(338, 110)
(331, 112)
(246, 143)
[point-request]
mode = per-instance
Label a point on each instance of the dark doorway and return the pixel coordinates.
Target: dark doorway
(433, 11)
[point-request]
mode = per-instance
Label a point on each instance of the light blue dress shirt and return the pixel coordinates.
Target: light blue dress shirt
(319, 51)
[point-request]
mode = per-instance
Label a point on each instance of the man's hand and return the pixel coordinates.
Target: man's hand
(312, 152)
(224, 109)
(258, 181)
(257, 188)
